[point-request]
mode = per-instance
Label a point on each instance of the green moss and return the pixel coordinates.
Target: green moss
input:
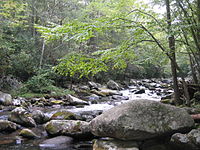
(51, 129)
(54, 92)
(64, 115)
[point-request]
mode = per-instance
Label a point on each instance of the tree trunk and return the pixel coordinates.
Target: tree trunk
(172, 53)
(193, 70)
(198, 21)
(42, 54)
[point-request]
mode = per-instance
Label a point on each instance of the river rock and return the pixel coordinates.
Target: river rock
(179, 138)
(27, 133)
(141, 91)
(194, 136)
(60, 142)
(112, 144)
(113, 85)
(94, 85)
(8, 126)
(74, 128)
(191, 110)
(76, 101)
(119, 97)
(64, 115)
(40, 117)
(168, 81)
(167, 101)
(93, 97)
(21, 116)
(140, 120)
(84, 87)
(188, 141)
(5, 99)
(106, 92)
(133, 82)
(168, 96)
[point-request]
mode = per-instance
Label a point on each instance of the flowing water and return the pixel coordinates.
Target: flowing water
(14, 142)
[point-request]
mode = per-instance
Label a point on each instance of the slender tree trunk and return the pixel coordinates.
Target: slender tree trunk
(42, 54)
(198, 21)
(172, 53)
(193, 70)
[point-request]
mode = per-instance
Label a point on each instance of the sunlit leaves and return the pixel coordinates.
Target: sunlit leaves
(12, 12)
(80, 65)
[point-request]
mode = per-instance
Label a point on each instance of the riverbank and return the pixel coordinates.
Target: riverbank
(70, 116)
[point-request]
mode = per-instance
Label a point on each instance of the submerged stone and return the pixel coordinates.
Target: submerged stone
(113, 144)
(60, 142)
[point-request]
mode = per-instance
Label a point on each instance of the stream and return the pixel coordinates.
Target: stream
(14, 142)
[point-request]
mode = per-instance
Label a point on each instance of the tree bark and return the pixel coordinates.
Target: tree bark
(193, 70)
(42, 54)
(172, 54)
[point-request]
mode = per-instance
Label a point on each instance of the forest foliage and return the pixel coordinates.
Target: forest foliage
(88, 39)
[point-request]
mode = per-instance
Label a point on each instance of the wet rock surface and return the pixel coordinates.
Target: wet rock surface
(21, 116)
(89, 102)
(187, 141)
(113, 85)
(140, 120)
(27, 133)
(74, 128)
(60, 142)
(108, 144)
(5, 99)
(40, 117)
(8, 126)
(65, 115)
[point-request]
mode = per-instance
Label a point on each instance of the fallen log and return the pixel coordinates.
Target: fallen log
(196, 117)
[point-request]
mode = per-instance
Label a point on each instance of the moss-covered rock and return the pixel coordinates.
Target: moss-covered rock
(40, 117)
(167, 101)
(74, 128)
(64, 115)
(27, 133)
(21, 116)
(8, 126)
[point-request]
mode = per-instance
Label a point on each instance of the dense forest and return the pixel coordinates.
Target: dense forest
(83, 70)
(98, 40)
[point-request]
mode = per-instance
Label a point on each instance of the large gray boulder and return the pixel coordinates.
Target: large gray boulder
(140, 120)
(5, 99)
